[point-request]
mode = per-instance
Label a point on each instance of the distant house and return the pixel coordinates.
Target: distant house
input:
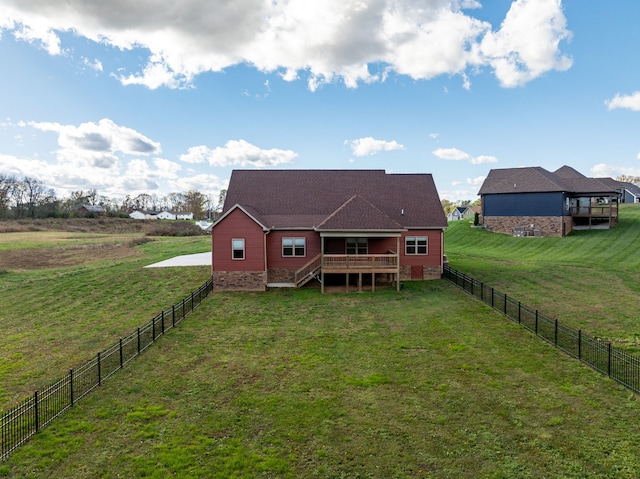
(286, 227)
(205, 225)
(143, 215)
(460, 213)
(630, 193)
(184, 215)
(91, 210)
(532, 201)
(166, 215)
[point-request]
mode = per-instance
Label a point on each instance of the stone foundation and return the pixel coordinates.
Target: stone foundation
(281, 275)
(240, 280)
(432, 272)
(547, 225)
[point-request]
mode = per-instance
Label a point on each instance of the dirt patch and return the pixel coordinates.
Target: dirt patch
(104, 225)
(60, 257)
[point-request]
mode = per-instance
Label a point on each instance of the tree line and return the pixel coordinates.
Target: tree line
(31, 198)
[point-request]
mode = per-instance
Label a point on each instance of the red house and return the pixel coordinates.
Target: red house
(283, 228)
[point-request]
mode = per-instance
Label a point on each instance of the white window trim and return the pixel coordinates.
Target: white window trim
(293, 247)
(415, 245)
(233, 250)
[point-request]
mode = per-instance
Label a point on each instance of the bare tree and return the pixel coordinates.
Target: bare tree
(195, 203)
(8, 185)
(35, 196)
(629, 179)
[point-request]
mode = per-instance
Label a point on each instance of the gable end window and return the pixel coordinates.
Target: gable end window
(237, 248)
(293, 247)
(415, 245)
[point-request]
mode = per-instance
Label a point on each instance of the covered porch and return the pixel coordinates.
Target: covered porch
(594, 212)
(359, 257)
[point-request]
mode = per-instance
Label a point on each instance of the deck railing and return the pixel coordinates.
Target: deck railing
(599, 211)
(360, 262)
(308, 269)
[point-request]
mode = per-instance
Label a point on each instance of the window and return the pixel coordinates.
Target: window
(293, 246)
(237, 248)
(415, 244)
(357, 246)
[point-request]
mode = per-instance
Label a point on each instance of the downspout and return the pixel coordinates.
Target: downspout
(266, 272)
(321, 264)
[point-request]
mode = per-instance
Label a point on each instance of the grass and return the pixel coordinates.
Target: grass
(57, 318)
(425, 383)
(589, 280)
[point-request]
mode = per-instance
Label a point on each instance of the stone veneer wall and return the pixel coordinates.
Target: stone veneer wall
(240, 280)
(548, 225)
(281, 275)
(432, 272)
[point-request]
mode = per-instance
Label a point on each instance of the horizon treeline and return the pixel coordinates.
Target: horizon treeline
(31, 198)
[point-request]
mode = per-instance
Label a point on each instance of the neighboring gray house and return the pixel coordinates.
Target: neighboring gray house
(630, 192)
(460, 213)
(532, 201)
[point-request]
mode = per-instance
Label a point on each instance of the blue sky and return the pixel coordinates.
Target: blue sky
(161, 96)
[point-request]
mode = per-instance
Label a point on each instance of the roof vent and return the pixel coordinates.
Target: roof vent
(402, 212)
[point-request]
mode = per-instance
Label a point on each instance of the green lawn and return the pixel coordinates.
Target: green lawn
(422, 383)
(589, 280)
(425, 383)
(55, 319)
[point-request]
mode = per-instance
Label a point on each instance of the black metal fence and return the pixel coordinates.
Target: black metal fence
(615, 363)
(19, 424)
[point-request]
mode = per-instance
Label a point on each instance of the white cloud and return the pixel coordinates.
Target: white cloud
(370, 146)
(454, 154)
(451, 154)
(629, 102)
(238, 153)
(526, 46)
(323, 40)
(602, 170)
(477, 181)
(101, 155)
(202, 182)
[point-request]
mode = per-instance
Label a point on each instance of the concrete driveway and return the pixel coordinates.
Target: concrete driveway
(200, 259)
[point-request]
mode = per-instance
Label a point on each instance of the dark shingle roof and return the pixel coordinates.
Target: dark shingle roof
(309, 198)
(538, 180)
(358, 214)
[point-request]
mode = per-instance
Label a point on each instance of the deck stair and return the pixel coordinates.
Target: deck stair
(309, 271)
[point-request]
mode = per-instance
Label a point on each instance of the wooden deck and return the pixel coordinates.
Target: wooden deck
(370, 263)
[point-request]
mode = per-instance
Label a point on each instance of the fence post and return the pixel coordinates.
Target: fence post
(153, 328)
(138, 340)
(99, 371)
(71, 385)
(173, 316)
(162, 321)
(536, 322)
(505, 304)
(519, 312)
(482, 292)
(579, 343)
(35, 405)
(191, 301)
(492, 297)
(121, 358)
(555, 333)
(609, 360)
(182, 317)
